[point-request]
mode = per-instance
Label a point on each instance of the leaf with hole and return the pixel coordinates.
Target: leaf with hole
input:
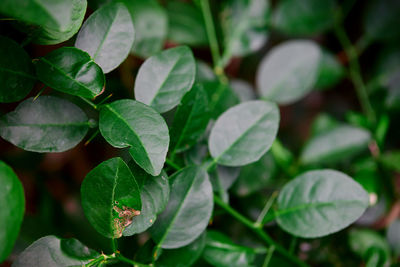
(47, 124)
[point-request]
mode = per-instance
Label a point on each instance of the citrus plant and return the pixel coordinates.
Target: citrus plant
(202, 168)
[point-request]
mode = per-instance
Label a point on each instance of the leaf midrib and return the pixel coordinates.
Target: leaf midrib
(112, 199)
(18, 73)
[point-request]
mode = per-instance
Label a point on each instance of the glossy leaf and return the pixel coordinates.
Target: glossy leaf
(47, 124)
(335, 145)
(107, 35)
(16, 71)
(58, 20)
(244, 133)
(245, 26)
(319, 203)
(188, 210)
(71, 71)
(74, 248)
(151, 24)
(128, 123)
(220, 98)
(288, 82)
(164, 78)
(220, 251)
(185, 24)
(110, 197)
(12, 207)
(304, 17)
(330, 71)
(191, 119)
(154, 193)
(47, 251)
(184, 256)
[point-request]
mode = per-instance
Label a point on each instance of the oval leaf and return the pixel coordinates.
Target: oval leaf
(127, 123)
(319, 203)
(191, 119)
(110, 197)
(244, 133)
(71, 71)
(330, 71)
(47, 124)
(16, 71)
(289, 71)
(12, 207)
(164, 78)
(188, 210)
(47, 251)
(107, 35)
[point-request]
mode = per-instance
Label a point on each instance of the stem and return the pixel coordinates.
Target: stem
(264, 236)
(104, 100)
(92, 137)
(260, 220)
(114, 244)
(172, 164)
(355, 73)
(269, 256)
(89, 102)
(129, 261)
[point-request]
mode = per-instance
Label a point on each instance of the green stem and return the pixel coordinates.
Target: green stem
(268, 257)
(129, 261)
(258, 231)
(92, 137)
(172, 164)
(88, 102)
(355, 73)
(268, 205)
(114, 244)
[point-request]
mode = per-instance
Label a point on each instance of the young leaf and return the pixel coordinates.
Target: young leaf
(186, 24)
(335, 145)
(330, 71)
(71, 71)
(47, 251)
(154, 192)
(164, 78)
(107, 35)
(244, 133)
(47, 124)
(16, 71)
(188, 210)
(288, 82)
(191, 119)
(12, 207)
(58, 20)
(319, 203)
(151, 23)
(128, 123)
(184, 256)
(304, 17)
(222, 252)
(110, 197)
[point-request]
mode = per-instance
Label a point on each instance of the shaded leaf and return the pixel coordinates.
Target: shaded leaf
(244, 133)
(330, 71)
(75, 249)
(71, 71)
(319, 203)
(107, 35)
(220, 98)
(48, 124)
(110, 197)
(128, 123)
(391, 160)
(243, 90)
(164, 78)
(393, 236)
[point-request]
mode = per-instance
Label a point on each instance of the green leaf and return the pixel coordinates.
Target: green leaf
(71, 71)
(154, 193)
(319, 203)
(16, 71)
(186, 24)
(110, 197)
(391, 160)
(220, 98)
(330, 71)
(184, 256)
(370, 246)
(58, 20)
(107, 35)
(287, 83)
(304, 17)
(47, 251)
(164, 78)
(204, 72)
(75, 249)
(336, 145)
(12, 207)
(151, 23)
(393, 236)
(47, 124)
(243, 90)
(381, 19)
(222, 179)
(188, 210)
(244, 133)
(191, 119)
(244, 24)
(255, 176)
(128, 123)
(220, 251)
